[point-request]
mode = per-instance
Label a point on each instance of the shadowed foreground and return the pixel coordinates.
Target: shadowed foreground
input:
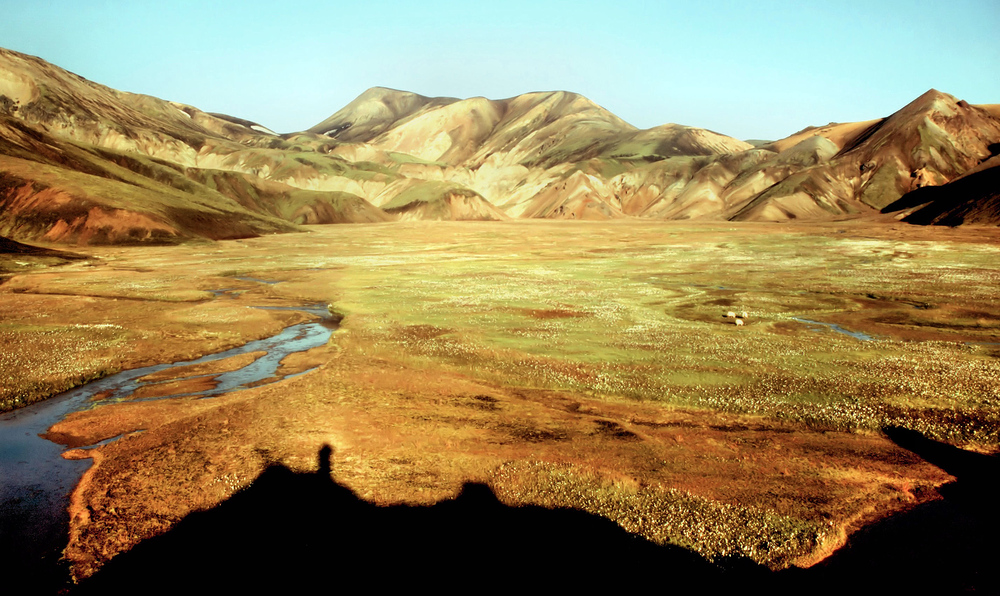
(299, 531)
(943, 547)
(303, 531)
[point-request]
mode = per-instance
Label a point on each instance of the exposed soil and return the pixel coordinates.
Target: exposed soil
(449, 369)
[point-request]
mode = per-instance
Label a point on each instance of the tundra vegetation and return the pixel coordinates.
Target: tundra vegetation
(587, 365)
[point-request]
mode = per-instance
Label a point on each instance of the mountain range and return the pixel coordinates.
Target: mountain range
(81, 163)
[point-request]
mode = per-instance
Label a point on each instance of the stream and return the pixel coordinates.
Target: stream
(35, 480)
(834, 327)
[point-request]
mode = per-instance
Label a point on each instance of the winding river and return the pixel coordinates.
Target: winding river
(35, 480)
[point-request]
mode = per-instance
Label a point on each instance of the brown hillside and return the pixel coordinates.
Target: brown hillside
(970, 199)
(82, 163)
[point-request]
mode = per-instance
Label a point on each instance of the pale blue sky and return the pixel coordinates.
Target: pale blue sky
(746, 69)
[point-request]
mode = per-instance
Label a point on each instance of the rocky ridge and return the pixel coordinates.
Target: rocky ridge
(81, 163)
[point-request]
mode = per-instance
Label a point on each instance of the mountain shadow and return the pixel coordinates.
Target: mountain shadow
(303, 532)
(8, 246)
(973, 198)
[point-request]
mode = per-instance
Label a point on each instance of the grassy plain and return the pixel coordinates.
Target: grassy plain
(587, 365)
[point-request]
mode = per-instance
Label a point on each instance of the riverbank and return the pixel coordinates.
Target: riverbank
(39, 474)
(588, 366)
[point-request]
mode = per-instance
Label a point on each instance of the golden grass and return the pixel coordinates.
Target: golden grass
(582, 365)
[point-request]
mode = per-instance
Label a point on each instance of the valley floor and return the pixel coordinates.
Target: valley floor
(561, 364)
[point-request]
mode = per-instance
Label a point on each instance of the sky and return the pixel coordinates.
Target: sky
(752, 70)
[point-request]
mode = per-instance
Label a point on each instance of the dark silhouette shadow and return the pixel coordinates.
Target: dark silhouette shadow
(303, 532)
(32, 565)
(975, 197)
(946, 546)
(8, 246)
(300, 532)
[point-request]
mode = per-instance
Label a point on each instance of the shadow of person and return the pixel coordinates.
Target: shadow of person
(303, 531)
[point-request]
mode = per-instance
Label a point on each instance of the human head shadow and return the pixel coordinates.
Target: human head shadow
(304, 531)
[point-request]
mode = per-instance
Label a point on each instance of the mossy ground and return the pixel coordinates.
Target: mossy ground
(567, 364)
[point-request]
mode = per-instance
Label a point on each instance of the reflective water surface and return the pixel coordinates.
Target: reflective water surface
(35, 480)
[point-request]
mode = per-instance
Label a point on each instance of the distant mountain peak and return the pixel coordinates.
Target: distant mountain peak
(373, 112)
(136, 169)
(931, 100)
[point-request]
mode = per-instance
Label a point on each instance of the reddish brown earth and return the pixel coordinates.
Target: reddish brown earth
(431, 433)
(588, 367)
(410, 398)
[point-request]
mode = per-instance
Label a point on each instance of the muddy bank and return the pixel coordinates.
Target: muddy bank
(38, 475)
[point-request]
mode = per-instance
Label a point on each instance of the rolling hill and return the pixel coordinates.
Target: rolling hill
(81, 164)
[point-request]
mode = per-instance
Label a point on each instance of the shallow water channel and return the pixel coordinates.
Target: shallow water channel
(834, 327)
(35, 480)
